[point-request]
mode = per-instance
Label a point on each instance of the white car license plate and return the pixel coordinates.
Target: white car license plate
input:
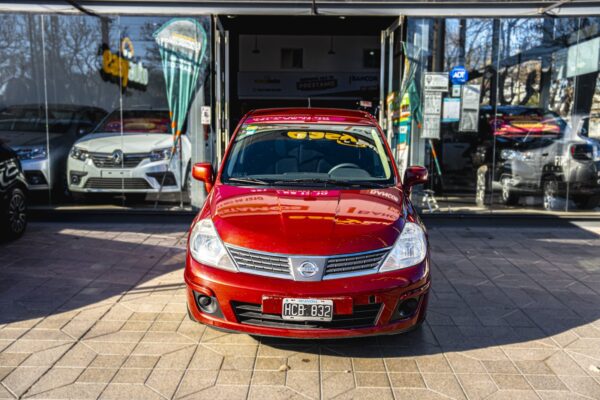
(307, 309)
(115, 173)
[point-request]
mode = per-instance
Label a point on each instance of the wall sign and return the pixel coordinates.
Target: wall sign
(469, 113)
(279, 84)
(432, 111)
(459, 75)
(435, 81)
(451, 110)
(120, 67)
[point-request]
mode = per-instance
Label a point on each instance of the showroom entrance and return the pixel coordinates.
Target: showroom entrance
(305, 61)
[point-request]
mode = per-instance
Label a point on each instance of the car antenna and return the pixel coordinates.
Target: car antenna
(309, 102)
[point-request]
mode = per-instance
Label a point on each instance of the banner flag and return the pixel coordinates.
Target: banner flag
(182, 44)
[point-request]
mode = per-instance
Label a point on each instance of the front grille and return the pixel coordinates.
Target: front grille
(106, 160)
(260, 262)
(354, 263)
(363, 316)
(117, 183)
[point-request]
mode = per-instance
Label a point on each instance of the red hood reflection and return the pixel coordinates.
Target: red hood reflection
(312, 222)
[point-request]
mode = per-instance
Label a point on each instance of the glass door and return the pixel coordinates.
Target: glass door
(221, 79)
(394, 110)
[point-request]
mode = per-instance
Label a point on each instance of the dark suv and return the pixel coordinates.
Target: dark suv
(13, 195)
(526, 150)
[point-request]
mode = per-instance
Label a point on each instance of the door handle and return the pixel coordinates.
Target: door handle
(544, 154)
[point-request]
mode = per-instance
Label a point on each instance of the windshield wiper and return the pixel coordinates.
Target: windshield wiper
(248, 180)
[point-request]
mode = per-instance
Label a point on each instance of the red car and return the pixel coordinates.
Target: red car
(308, 231)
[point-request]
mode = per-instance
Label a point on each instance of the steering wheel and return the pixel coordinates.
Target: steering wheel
(343, 165)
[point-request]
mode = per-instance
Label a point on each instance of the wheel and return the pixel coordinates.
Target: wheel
(509, 197)
(15, 215)
(586, 201)
(550, 188)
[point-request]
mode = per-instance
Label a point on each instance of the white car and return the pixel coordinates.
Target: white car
(129, 153)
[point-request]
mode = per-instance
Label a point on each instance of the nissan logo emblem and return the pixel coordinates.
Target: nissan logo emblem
(308, 269)
(117, 156)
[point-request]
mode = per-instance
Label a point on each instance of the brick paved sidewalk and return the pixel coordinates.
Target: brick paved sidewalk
(98, 311)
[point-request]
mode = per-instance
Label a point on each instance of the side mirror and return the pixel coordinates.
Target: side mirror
(83, 131)
(204, 172)
(414, 175)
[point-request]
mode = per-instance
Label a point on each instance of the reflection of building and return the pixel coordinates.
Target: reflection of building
(265, 57)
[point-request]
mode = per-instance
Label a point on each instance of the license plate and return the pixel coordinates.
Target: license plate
(115, 173)
(307, 309)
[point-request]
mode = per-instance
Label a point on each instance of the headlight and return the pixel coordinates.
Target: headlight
(32, 153)
(410, 249)
(160, 154)
(206, 246)
(79, 154)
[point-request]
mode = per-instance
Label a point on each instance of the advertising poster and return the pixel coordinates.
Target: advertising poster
(469, 113)
(432, 112)
(451, 110)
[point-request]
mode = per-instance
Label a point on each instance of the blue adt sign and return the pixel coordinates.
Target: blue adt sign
(459, 75)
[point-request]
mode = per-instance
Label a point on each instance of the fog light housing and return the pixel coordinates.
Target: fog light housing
(208, 304)
(406, 309)
(76, 177)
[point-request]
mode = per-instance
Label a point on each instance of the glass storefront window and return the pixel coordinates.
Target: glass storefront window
(84, 102)
(520, 133)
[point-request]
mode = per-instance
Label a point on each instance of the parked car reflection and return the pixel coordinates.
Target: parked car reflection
(42, 137)
(13, 195)
(528, 150)
(129, 152)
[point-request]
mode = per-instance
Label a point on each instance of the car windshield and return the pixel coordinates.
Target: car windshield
(136, 121)
(33, 120)
(308, 154)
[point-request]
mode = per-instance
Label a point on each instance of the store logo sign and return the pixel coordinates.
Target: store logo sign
(121, 68)
(459, 75)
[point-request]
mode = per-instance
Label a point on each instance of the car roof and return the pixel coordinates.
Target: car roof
(312, 115)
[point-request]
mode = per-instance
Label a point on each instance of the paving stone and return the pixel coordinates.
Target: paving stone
(529, 326)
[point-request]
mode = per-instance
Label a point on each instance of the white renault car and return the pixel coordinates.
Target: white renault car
(129, 153)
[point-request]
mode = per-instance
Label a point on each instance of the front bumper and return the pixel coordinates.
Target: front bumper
(36, 173)
(144, 178)
(261, 297)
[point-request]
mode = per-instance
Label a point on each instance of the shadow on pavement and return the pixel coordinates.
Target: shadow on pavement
(492, 285)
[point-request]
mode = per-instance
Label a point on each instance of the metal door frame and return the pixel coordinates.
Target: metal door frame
(221, 88)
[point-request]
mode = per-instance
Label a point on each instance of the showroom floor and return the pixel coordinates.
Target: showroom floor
(96, 310)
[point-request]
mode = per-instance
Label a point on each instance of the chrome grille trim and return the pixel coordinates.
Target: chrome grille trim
(352, 263)
(279, 265)
(130, 160)
(257, 261)
(117, 183)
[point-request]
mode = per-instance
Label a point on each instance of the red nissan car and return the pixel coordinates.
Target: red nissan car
(308, 231)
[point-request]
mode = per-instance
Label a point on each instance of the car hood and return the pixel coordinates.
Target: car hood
(128, 143)
(308, 222)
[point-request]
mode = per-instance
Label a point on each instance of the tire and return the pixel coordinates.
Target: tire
(15, 216)
(550, 193)
(586, 201)
(507, 195)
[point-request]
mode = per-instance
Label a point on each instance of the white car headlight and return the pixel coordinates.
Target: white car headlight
(206, 246)
(79, 154)
(32, 153)
(160, 154)
(410, 249)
